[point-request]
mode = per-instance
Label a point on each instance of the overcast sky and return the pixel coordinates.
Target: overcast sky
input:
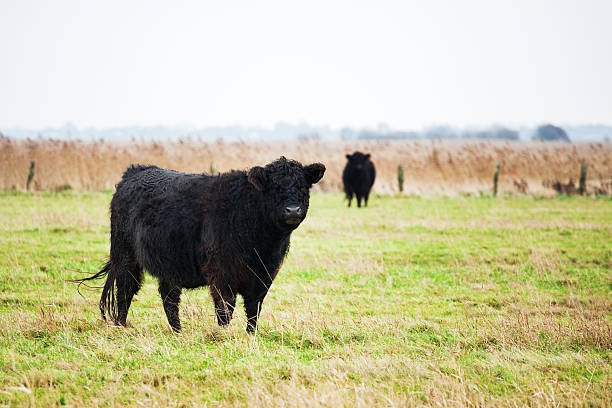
(407, 63)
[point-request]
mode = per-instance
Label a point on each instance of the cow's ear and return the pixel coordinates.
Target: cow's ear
(314, 172)
(257, 177)
(348, 156)
(367, 156)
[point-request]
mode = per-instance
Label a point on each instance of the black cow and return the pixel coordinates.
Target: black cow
(230, 232)
(358, 177)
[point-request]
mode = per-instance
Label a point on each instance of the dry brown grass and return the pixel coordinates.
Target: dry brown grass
(430, 167)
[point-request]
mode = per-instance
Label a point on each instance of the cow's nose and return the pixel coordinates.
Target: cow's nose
(293, 211)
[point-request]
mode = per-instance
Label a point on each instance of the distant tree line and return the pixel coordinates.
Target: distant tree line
(437, 132)
(305, 131)
(544, 133)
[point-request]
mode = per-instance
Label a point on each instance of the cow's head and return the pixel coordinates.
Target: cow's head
(285, 187)
(357, 160)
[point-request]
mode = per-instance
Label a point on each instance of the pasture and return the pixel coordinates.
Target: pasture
(465, 301)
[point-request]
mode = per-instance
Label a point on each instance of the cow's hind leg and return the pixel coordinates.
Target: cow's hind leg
(358, 200)
(129, 281)
(123, 281)
(171, 298)
(349, 197)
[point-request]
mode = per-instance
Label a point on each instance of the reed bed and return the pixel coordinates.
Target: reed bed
(430, 167)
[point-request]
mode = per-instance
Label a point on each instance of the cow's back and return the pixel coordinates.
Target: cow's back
(142, 187)
(152, 181)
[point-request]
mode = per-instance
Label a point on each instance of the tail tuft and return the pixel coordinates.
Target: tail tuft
(108, 300)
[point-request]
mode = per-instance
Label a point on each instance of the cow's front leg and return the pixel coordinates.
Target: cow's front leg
(252, 306)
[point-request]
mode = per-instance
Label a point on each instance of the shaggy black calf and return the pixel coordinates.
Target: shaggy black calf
(230, 232)
(358, 177)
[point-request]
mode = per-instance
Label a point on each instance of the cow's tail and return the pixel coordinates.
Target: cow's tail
(108, 300)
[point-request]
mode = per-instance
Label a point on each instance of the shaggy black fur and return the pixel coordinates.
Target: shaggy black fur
(230, 232)
(358, 177)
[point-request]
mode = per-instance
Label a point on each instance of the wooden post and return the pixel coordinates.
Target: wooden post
(495, 179)
(30, 175)
(583, 174)
(400, 177)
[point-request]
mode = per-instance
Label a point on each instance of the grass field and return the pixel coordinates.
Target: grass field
(469, 301)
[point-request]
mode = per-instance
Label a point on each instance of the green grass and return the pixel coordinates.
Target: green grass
(450, 302)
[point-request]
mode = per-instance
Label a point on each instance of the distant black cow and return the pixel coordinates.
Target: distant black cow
(358, 177)
(229, 231)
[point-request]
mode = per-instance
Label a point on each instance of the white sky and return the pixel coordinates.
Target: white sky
(406, 63)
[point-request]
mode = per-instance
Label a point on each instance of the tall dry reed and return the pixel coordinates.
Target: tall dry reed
(430, 167)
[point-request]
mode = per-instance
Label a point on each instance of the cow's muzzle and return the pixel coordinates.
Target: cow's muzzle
(293, 214)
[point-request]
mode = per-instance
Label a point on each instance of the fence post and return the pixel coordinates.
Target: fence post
(583, 174)
(213, 170)
(495, 179)
(30, 175)
(400, 178)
